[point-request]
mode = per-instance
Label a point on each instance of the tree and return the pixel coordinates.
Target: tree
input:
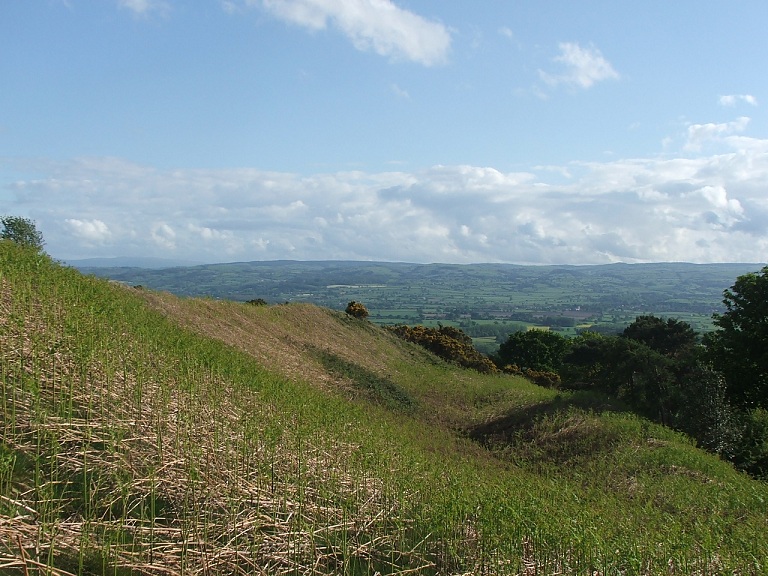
(533, 349)
(22, 231)
(705, 412)
(739, 346)
(671, 337)
(357, 310)
(625, 369)
(646, 380)
(584, 363)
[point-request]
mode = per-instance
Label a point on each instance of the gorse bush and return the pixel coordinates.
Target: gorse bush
(357, 310)
(705, 412)
(545, 378)
(448, 343)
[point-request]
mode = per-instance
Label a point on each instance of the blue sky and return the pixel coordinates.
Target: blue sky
(452, 131)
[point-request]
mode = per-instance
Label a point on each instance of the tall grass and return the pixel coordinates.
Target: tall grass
(131, 445)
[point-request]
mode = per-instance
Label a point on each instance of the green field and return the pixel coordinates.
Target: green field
(474, 297)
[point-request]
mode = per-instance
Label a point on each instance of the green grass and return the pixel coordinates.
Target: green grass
(376, 388)
(146, 434)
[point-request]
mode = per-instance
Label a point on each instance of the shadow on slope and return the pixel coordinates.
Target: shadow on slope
(563, 430)
(281, 336)
(376, 388)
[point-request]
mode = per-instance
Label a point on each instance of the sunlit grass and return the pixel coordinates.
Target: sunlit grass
(146, 434)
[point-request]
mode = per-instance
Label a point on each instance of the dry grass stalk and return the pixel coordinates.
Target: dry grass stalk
(161, 486)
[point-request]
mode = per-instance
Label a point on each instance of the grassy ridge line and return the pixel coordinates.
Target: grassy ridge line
(297, 341)
(128, 441)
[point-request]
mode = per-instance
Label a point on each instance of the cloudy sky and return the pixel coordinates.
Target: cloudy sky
(407, 130)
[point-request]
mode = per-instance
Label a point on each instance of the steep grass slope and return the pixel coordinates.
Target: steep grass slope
(144, 434)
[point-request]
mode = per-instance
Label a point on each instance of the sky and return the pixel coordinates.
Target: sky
(526, 132)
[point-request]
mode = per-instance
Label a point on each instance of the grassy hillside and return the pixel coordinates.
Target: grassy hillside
(147, 434)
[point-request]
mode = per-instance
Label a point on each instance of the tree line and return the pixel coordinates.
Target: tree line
(714, 388)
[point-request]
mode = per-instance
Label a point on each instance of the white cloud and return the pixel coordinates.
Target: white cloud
(164, 236)
(144, 7)
(733, 99)
(209, 234)
(94, 231)
(229, 6)
(717, 196)
(507, 32)
(400, 92)
(699, 134)
(376, 25)
(698, 208)
(583, 67)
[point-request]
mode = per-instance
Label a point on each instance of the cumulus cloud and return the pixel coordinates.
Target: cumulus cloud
(693, 207)
(733, 99)
(699, 134)
(163, 235)
(581, 67)
(371, 25)
(94, 231)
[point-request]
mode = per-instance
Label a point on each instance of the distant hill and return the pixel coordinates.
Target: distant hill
(607, 297)
(129, 262)
(144, 433)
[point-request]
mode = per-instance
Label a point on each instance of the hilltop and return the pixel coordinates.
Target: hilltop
(144, 433)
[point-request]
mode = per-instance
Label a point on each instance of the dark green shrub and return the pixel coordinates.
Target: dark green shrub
(752, 451)
(540, 350)
(705, 412)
